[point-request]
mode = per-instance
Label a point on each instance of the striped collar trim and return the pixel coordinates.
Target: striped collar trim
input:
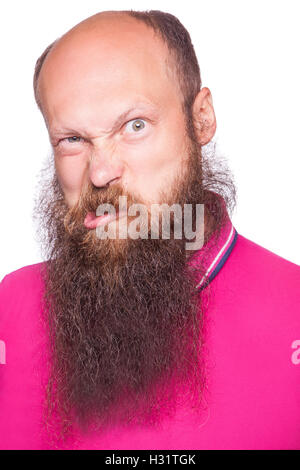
(220, 255)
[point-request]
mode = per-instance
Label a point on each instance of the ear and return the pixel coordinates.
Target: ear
(204, 116)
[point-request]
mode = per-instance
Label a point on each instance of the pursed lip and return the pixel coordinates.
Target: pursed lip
(92, 221)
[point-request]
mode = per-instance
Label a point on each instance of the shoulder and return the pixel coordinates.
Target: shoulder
(23, 274)
(253, 264)
(22, 277)
(258, 257)
(257, 266)
(20, 288)
(261, 282)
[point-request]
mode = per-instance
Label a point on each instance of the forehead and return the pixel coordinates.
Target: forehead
(111, 61)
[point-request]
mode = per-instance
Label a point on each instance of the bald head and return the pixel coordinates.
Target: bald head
(181, 61)
(106, 45)
(107, 51)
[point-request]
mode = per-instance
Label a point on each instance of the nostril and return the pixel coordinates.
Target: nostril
(105, 186)
(112, 181)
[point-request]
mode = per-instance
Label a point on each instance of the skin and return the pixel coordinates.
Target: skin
(100, 69)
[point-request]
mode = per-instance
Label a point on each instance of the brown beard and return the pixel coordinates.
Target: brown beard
(124, 317)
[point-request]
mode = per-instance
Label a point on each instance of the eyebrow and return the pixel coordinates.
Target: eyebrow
(119, 120)
(122, 118)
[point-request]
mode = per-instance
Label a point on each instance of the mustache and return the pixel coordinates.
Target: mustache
(91, 197)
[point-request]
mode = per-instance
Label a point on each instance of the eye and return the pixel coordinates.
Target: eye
(135, 125)
(72, 139)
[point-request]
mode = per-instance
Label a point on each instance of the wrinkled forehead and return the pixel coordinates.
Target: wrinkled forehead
(110, 58)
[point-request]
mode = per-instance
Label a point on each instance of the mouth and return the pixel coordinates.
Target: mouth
(92, 221)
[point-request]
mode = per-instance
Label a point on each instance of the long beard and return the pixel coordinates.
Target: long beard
(124, 317)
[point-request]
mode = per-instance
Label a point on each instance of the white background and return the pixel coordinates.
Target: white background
(248, 53)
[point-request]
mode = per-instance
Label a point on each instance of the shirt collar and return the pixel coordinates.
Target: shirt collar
(215, 251)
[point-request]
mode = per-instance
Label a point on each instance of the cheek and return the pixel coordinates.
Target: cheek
(70, 173)
(161, 157)
(154, 165)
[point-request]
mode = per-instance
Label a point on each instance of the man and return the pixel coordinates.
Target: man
(134, 340)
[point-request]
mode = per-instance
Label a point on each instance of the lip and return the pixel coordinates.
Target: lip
(92, 221)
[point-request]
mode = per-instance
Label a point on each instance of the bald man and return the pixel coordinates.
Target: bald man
(125, 338)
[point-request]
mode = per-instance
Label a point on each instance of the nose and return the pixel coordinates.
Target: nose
(103, 170)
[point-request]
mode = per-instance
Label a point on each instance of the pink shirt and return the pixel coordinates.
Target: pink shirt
(253, 351)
